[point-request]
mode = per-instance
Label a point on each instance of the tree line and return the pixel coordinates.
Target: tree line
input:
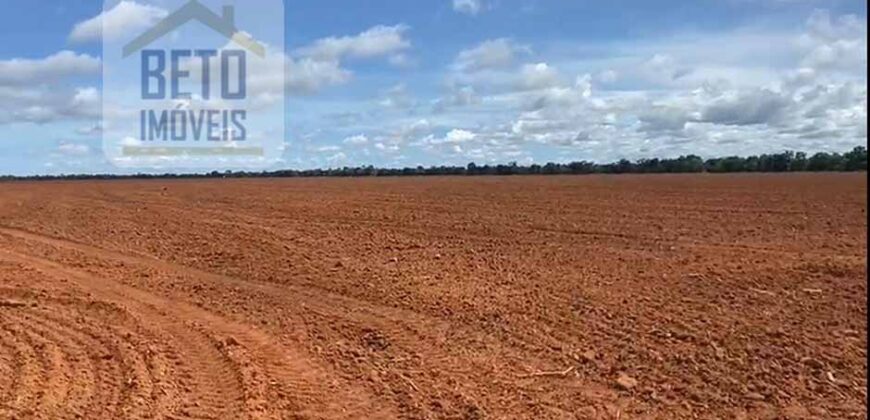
(788, 161)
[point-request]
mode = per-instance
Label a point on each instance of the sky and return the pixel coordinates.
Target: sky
(396, 83)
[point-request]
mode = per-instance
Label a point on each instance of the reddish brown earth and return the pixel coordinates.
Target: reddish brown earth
(462, 298)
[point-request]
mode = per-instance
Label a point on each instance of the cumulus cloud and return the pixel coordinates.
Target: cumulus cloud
(664, 68)
(457, 96)
(402, 60)
(492, 54)
(279, 73)
(744, 90)
(468, 7)
(42, 105)
(337, 158)
(663, 118)
(767, 91)
(378, 41)
(73, 149)
(455, 142)
(538, 76)
(398, 97)
(357, 140)
(459, 136)
(91, 130)
(126, 17)
(607, 76)
(319, 65)
(311, 69)
(52, 68)
(393, 136)
(759, 106)
(308, 76)
(835, 43)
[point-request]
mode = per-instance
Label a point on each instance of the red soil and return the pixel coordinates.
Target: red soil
(559, 297)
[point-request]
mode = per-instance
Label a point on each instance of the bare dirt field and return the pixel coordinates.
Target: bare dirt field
(616, 297)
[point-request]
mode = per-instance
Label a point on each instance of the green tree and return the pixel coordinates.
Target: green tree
(856, 160)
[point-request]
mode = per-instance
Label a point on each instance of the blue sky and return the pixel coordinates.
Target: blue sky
(402, 83)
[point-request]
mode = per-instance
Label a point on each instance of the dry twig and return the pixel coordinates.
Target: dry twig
(542, 374)
(764, 292)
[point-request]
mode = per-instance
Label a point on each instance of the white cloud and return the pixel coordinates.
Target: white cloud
(319, 65)
(378, 41)
(491, 54)
(387, 147)
(401, 60)
(57, 66)
(459, 136)
(91, 130)
(468, 7)
(398, 97)
(656, 119)
(538, 76)
(327, 149)
(457, 96)
(73, 149)
(455, 136)
(745, 90)
(126, 17)
(835, 43)
(758, 106)
(279, 73)
(357, 140)
(309, 76)
(43, 105)
(607, 76)
(685, 93)
(86, 97)
(337, 158)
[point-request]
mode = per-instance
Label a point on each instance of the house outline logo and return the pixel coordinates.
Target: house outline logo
(194, 10)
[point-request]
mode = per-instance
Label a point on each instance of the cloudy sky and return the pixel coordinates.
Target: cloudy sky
(405, 83)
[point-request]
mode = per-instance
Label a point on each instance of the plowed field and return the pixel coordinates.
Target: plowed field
(615, 297)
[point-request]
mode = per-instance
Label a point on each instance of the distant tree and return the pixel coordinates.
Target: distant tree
(824, 161)
(799, 163)
(752, 164)
(624, 166)
(687, 164)
(780, 162)
(856, 160)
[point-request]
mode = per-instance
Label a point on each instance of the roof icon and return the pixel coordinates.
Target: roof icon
(193, 9)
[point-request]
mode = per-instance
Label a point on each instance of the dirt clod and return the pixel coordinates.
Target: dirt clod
(625, 382)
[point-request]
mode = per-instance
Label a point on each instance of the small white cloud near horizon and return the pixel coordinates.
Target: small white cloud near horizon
(357, 140)
(73, 149)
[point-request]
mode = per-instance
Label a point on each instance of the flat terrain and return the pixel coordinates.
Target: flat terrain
(617, 297)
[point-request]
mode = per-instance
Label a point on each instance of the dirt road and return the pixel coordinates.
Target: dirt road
(465, 298)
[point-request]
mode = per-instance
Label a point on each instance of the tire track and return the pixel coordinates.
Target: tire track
(233, 368)
(411, 336)
(214, 382)
(75, 359)
(27, 378)
(86, 360)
